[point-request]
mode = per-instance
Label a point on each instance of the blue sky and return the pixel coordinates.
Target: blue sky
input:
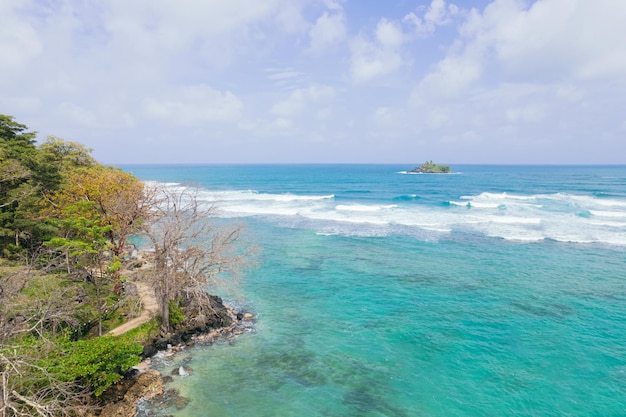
(290, 81)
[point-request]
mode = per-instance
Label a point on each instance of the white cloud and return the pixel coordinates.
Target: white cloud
(329, 29)
(383, 116)
(301, 99)
(249, 71)
(549, 41)
(192, 105)
(389, 34)
(553, 39)
(77, 115)
(281, 123)
(19, 41)
(334, 4)
(436, 118)
(283, 75)
(370, 60)
(528, 113)
(167, 24)
(20, 103)
(452, 76)
(438, 14)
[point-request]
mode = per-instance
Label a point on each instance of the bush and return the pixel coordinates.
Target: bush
(99, 362)
(176, 312)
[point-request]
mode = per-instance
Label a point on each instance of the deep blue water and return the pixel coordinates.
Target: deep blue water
(498, 290)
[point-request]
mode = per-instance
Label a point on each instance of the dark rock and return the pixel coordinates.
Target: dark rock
(175, 339)
(149, 351)
(161, 343)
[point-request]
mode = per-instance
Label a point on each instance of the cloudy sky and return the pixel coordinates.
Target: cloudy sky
(393, 81)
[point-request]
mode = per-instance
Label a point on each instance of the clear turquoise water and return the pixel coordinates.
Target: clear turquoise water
(497, 291)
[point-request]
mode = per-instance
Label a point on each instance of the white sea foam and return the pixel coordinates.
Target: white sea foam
(515, 217)
(485, 205)
(602, 213)
(364, 207)
(516, 220)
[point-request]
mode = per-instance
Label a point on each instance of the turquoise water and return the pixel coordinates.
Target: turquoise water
(495, 291)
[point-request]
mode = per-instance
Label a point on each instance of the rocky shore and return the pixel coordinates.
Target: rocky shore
(144, 383)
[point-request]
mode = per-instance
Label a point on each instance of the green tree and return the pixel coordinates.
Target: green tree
(84, 245)
(17, 150)
(116, 201)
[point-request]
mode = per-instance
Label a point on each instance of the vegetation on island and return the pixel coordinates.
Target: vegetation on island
(65, 224)
(429, 167)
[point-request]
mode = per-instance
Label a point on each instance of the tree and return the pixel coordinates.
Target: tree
(190, 251)
(15, 139)
(27, 175)
(43, 371)
(116, 200)
(17, 151)
(84, 245)
(56, 159)
(27, 386)
(58, 194)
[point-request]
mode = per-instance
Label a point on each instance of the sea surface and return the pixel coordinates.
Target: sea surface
(493, 291)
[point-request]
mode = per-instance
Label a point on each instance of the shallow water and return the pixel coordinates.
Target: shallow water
(377, 295)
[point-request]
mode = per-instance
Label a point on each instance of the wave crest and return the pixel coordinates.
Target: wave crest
(524, 218)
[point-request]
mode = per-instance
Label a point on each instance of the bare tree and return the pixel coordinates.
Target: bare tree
(190, 251)
(26, 388)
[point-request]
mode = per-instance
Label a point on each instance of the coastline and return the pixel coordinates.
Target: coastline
(144, 383)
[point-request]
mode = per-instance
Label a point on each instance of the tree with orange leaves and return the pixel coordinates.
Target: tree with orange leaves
(114, 198)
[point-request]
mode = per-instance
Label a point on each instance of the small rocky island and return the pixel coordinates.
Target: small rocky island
(429, 167)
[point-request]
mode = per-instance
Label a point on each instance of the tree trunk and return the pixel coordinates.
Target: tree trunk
(165, 314)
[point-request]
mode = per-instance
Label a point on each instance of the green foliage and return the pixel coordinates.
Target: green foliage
(96, 363)
(430, 168)
(58, 203)
(100, 362)
(143, 333)
(15, 140)
(176, 312)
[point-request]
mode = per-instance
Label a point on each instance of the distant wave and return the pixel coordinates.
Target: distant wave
(524, 218)
(409, 197)
(364, 207)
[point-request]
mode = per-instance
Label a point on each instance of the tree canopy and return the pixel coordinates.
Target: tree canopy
(60, 212)
(65, 221)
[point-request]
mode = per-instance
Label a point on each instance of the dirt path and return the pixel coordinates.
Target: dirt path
(150, 308)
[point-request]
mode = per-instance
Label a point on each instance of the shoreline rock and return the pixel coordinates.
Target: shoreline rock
(145, 383)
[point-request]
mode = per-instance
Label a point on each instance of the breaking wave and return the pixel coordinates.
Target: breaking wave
(525, 218)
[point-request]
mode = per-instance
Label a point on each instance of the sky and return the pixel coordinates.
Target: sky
(321, 81)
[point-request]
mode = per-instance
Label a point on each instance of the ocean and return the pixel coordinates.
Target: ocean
(493, 291)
